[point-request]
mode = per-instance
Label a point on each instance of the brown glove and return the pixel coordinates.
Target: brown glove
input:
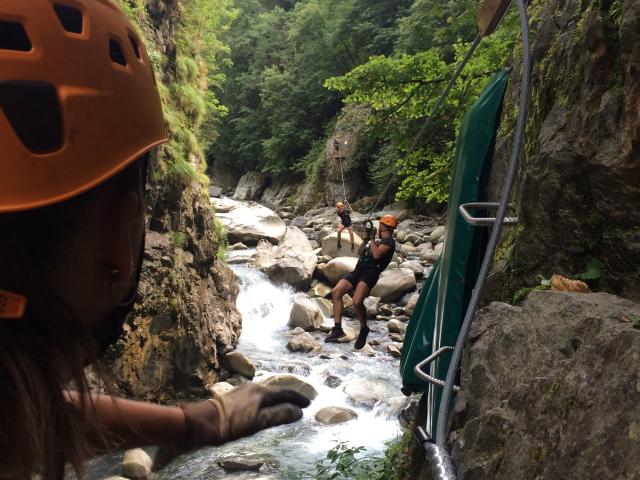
(239, 413)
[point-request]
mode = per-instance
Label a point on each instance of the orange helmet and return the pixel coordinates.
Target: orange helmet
(390, 221)
(339, 205)
(78, 100)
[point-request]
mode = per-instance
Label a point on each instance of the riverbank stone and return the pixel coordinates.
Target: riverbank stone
(136, 464)
(238, 362)
(329, 245)
(306, 314)
(320, 289)
(396, 326)
(362, 392)
(249, 222)
(372, 304)
(394, 283)
(286, 380)
(393, 350)
(338, 268)
(220, 388)
(335, 415)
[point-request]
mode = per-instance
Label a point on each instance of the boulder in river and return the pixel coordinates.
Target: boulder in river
(237, 464)
(320, 290)
(332, 381)
(417, 267)
(394, 283)
(305, 343)
(250, 186)
(330, 245)
(220, 388)
(306, 314)
(372, 304)
(363, 392)
(437, 235)
(136, 464)
(411, 304)
(286, 380)
(334, 415)
(393, 350)
(294, 261)
(339, 267)
(396, 326)
(325, 306)
(249, 222)
(238, 362)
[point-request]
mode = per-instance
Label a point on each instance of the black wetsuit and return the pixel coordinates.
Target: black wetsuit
(345, 218)
(368, 269)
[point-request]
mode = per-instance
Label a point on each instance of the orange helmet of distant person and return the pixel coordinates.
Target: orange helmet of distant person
(78, 99)
(390, 221)
(339, 205)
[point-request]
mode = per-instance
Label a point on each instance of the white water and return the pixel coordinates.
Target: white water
(291, 451)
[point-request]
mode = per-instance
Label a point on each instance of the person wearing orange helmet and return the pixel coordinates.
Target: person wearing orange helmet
(79, 115)
(375, 256)
(344, 211)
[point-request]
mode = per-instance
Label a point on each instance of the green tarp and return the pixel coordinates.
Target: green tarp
(445, 295)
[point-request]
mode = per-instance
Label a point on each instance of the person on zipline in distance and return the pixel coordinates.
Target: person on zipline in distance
(375, 256)
(344, 212)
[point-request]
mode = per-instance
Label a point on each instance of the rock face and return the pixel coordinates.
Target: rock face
(550, 390)
(330, 245)
(187, 315)
(305, 314)
(186, 311)
(286, 380)
(393, 283)
(136, 464)
(334, 415)
(249, 222)
(294, 261)
(339, 267)
(583, 149)
(250, 186)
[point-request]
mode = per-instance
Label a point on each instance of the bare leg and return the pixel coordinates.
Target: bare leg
(340, 229)
(337, 293)
(362, 291)
(351, 236)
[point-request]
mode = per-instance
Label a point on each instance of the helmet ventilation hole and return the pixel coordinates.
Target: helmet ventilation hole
(70, 18)
(116, 53)
(136, 47)
(33, 110)
(13, 36)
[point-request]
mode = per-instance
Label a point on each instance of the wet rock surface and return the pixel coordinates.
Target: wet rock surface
(550, 390)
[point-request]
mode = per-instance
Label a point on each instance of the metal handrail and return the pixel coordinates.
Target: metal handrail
(484, 221)
(428, 378)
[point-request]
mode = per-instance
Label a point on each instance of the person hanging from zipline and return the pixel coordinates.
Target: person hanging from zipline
(344, 212)
(375, 256)
(336, 148)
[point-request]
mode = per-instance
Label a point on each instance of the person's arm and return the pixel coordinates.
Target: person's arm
(378, 251)
(120, 423)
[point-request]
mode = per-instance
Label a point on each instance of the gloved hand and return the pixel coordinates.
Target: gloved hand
(239, 413)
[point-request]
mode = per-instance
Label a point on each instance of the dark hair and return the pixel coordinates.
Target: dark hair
(47, 350)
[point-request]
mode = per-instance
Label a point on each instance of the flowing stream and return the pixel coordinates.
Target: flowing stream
(291, 451)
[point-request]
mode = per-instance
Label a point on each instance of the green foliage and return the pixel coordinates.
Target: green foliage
(344, 462)
(179, 239)
(403, 89)
(186, 82)
(281, 55)
(222, 240)
(592, 271)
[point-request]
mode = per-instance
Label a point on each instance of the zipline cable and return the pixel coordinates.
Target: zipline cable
(344, 189)
(434, 111)
(442, 429)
